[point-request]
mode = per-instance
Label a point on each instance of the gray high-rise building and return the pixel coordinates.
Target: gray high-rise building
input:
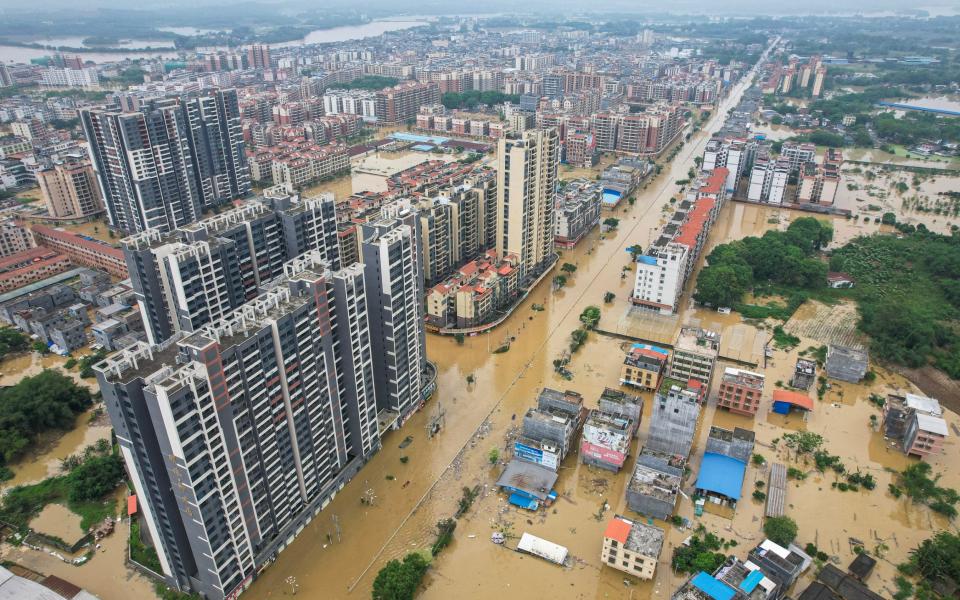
(199, 273)
(237, 435)
(393, 274)
(161, 166)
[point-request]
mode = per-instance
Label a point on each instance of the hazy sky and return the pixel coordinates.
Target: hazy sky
(448, 7)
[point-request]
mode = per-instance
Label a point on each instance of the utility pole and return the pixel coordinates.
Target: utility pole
(336, 525)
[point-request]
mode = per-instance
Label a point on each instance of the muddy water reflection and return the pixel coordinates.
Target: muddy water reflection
(504, 384)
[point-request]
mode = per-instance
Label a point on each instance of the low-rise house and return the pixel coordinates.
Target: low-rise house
(846, 364)
(769, 571)
(724, 465)
(655, 484)
(549, 429)
(632, 547)
(916, 423)
(804, 374)
(643, 366)
(578, 211)
(694, 355)
(740, 391)
(838, 280)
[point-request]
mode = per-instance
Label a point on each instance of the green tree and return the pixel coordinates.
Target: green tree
(399, 580)
(780, 530)
(568, 268)
(590, 316)
(611, 222)
(11, 341)
(494, 456)
(609, 297)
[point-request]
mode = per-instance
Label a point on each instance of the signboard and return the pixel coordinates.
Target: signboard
(549, 460)
(600, 453)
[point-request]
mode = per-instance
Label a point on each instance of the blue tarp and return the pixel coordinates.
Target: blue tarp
(647, 260)
(656, 349)
(712, 587)
(751, 581)
(781, 408)
(523, 502)
(722, 475)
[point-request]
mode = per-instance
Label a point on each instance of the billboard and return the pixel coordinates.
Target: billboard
(549, 460)
(601, 453)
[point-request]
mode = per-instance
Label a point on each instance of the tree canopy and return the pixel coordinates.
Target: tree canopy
(780, 530)
(781, 257)
(399, 580)
(49, 400)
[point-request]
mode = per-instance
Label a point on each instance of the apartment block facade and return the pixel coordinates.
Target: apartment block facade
(161, 166)
(526, 211)
(70, 190)
(740, 391)
(199, 273)
(236, 436)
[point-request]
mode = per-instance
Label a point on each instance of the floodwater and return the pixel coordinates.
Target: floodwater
(17, 54)
(871, 191)
(105, 575)
(403, 516)
(370, 172)
(353, 32)
(59, 521)
(44, 459)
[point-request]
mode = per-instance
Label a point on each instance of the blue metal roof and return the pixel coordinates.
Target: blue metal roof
(751, 581)
(712, 587)
(524, 502)
(721, 474)
(647, 260)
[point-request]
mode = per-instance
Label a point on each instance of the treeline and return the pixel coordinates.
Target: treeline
(779, 257)
(369, 82)
(474, 98)
(908, 289)
(11, 341)
(49, 400)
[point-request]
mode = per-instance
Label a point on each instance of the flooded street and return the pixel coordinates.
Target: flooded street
(403, 518)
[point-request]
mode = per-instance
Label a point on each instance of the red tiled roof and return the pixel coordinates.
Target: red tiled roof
(795, 398)
(618, 529)
(73, 238)
(716, 181)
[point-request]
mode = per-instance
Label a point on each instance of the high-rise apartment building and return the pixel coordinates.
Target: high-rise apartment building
(70, 190)
(6, 79)
(457, 225)
(526, 211)
(401, 102)
(393, 275)
(237, 435)
(161, 166)
(216, 141)
(258, 56)
(201, 272)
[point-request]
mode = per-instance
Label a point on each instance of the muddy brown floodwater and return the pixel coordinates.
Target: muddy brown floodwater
(402, 518)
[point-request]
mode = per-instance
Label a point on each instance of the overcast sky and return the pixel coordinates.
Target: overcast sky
(448, 7)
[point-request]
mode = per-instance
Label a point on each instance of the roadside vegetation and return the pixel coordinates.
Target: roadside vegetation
(47, 401)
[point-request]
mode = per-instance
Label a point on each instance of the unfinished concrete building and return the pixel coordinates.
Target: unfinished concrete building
(615, 402)
(846, 364)
(736, 444)
(655, 484)
(550, 428)
(804, 374)
(694, 355)
(673, 423)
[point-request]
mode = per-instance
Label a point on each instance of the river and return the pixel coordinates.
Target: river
(17, 54)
